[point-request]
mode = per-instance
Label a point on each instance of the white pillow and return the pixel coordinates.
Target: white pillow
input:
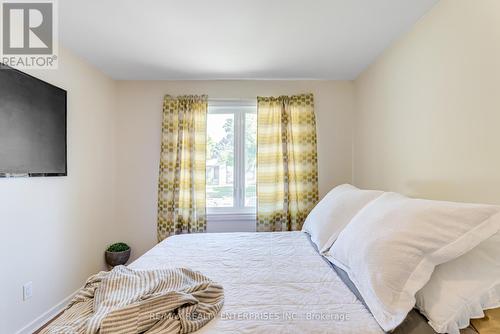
(461, 289)
(390, 248)
(334, 212)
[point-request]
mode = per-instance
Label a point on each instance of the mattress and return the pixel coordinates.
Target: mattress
(273, 283)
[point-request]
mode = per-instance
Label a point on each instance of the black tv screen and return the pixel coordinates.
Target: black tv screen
(32, 126)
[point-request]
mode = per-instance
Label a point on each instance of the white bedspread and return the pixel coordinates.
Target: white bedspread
(273, 283)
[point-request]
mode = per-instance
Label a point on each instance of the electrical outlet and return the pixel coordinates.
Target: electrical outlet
(27, 290)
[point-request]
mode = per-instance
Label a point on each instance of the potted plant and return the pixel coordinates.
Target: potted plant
(117, 254)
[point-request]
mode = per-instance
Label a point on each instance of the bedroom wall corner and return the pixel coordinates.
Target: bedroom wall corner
(427, 111)
(55, 230)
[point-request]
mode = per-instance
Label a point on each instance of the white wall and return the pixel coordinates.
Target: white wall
(54, 230)
(427, 119)
(139, 128)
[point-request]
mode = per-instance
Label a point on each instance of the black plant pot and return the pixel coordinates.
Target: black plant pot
(117, 258)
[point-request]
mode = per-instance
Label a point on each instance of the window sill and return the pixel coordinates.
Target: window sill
(222, 222)
(231, 216)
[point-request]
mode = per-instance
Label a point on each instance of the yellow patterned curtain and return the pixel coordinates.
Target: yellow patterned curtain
(181, 186)
(287, 172)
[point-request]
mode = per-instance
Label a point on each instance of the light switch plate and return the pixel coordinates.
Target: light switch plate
(27, 290)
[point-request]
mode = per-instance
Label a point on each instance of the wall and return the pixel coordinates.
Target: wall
(138, 134)
(427, 119)
(54, 230)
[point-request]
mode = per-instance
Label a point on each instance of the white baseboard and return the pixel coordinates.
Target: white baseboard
(46, 317)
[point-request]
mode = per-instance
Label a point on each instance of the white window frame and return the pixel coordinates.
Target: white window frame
(239, 108)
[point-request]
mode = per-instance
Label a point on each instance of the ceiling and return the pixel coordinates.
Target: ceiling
(234, 39)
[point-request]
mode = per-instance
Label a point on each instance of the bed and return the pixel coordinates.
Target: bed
(273, 283)
(403, 254)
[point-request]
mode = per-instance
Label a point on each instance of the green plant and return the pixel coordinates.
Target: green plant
(118, 247)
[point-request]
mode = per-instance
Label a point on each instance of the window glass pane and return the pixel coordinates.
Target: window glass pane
(220, 160)
(250, 159)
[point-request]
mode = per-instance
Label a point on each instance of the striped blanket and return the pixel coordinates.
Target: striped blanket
(132, 301)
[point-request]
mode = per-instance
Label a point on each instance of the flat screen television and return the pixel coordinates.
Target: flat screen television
(32, 126)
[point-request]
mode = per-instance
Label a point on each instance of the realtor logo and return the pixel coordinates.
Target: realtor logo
(29, 34)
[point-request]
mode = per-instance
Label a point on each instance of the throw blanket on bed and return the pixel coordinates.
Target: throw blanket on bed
(130, 301)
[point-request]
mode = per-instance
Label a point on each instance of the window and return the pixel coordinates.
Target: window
(231, 157)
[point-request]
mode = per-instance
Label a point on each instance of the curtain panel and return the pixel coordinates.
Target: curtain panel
(181, 185)
(287, 171)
